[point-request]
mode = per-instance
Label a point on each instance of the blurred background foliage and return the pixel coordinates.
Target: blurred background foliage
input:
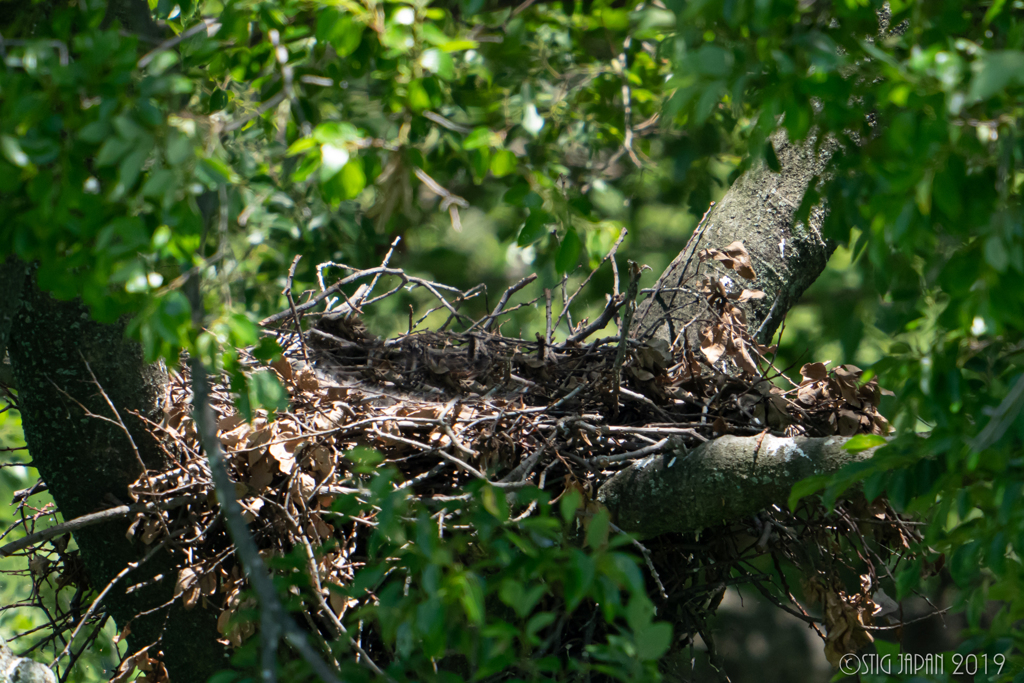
(498, 139)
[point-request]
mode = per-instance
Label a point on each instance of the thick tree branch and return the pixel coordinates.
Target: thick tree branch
(721, 481)
(758, 211)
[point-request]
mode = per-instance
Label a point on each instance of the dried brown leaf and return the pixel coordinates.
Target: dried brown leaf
(747, 295)
(262, 473)
(712, 345)
(735, 257)
(719, 426)
(814, 372)
(284, 368)
(306, 380)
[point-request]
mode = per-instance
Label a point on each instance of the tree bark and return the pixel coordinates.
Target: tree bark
(88, 464)
(721, 481)
(758, 211)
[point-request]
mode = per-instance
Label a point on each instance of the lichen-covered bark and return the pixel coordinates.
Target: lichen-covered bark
(758, 211)
(722, 481)
(88, 463)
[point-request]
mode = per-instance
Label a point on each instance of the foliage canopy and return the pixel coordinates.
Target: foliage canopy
(231, 136)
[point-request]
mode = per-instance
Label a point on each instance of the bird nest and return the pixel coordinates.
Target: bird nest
(461, 407)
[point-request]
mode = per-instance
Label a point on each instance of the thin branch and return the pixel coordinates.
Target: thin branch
(210, 25)
(586, 281)
(488, 321)
(120, 575)
(291, 304)
(627, 318)
(90, 520)
(274, 620)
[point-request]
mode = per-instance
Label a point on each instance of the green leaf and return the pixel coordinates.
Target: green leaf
(771, 158)
(13, 152)
(568, 252)
(480, 162)
(579, 578)
(339, 29)
(995, 253)
(438, 62)
(639, 612)
(266, 350)
(162, 62)
(535, 227)
(94, 132)
(471, 595)
(262, 389)
(863, 442)
(964, 565)
(532, 121)
(111, 151)
(131, 165)
(242, 331)
(708, 100)
(218, 171)
(353, 178)
(332, 160)
(333, 132)
(597, 529)
(503, 162)
(218, 100)
(995, 71)
(459, 45)
(907, 578)
(885, 648)
(179, 148)
(993, 11)
(479, 137)
(417, 96)
(807, 487)
(159, 183)
(494, 502)
(615, 19)
(653, 640)
(568, 504)
(517, 193)
(539, 621)
(714, 61)
(301, 145)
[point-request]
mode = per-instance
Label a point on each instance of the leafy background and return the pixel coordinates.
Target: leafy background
(273, 129)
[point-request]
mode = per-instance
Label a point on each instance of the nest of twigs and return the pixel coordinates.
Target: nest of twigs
(445, 408)
(448, 407)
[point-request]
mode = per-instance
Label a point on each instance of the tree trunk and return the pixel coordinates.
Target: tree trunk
(757, 211)
(88, 462)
